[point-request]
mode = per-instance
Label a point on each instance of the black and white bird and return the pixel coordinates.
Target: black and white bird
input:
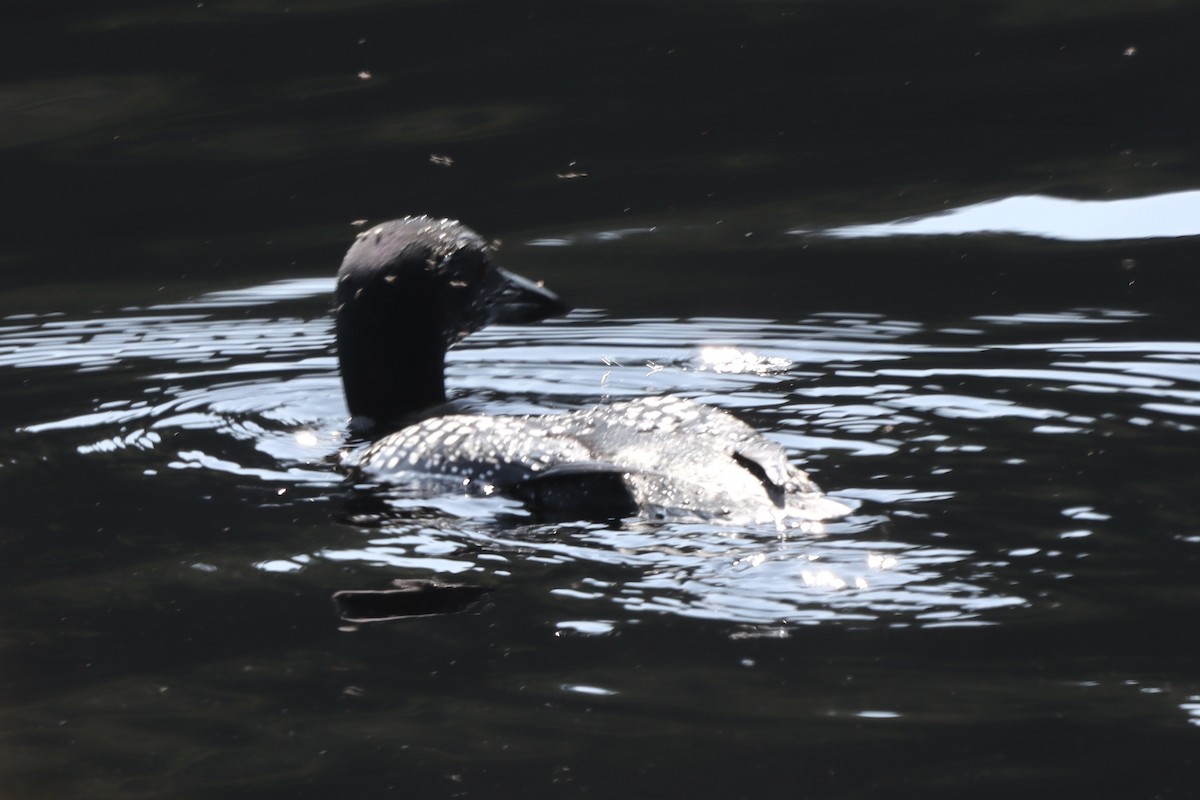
(410, 288)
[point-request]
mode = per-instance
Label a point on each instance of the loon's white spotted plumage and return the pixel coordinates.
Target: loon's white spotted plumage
(678, 458)
(410, 288)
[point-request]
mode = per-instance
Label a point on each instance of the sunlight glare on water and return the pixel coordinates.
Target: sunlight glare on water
(1156, 216)
(854, 397)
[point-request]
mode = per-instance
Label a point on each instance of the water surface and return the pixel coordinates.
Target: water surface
(997, 463)
(942, 253)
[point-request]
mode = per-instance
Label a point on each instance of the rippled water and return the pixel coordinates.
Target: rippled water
(989, 460)
(995, 203)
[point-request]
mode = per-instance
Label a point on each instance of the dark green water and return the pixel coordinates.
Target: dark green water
(1013, 408)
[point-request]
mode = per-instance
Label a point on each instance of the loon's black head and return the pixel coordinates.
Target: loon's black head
(407, 290)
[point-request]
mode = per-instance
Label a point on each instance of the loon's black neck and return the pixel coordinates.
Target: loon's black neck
(392, 366)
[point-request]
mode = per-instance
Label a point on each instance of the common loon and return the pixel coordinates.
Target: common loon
(410, 288)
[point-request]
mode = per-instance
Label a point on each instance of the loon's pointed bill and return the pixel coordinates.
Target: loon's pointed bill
(518, 300)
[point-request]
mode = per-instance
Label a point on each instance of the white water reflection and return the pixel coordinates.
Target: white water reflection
(1152, 217)
(886, 411)
(834, 574)
(591, 237)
